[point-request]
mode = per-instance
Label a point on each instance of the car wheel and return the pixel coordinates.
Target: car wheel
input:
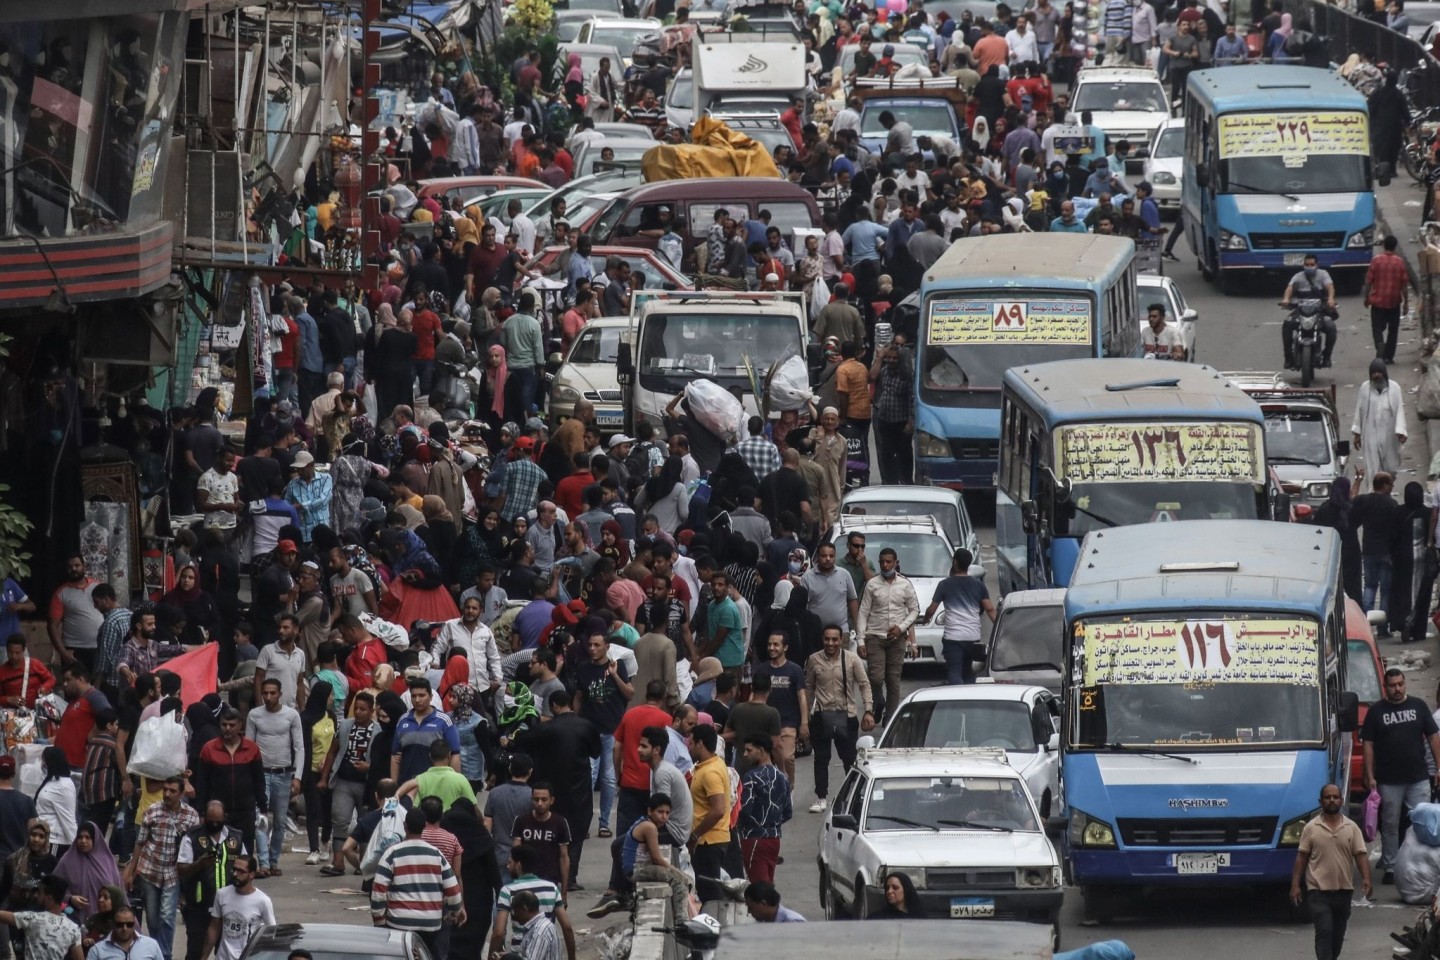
(833, 909)
(825, 890)
(862, 902)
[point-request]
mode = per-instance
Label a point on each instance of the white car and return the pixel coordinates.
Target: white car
(624, 150)
(901, 500)
(1157, 288)
(925, 554)
(1127, 102)
(961, 824)
(1024, 721)
(589, 372)
(680, 100)
(619, 33)
(1166, 165)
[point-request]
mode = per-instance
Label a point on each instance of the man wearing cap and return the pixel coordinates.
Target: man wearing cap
(310, 492)
(271, 591)
(523, 477)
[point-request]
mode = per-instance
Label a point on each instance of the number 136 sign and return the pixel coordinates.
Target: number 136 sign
(1009, 317)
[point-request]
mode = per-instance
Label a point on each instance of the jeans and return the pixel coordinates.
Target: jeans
(827, 726)
(346, 801)
(709, 861)
(1376, 595)
(287, 387)
(957, 661)
(883, 659)
(1138, 50)
(348, 366)
(1330, 913)
(277, 790)
(602, 771)
(1384, 328)
(519, 393)
(425, 373)
(1392, 797)
(679, 887)
(160, 905)
(631, 809)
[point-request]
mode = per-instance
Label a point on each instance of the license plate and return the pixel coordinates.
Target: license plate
(1188, 863)
(971, 908)
(610, 419)
(1294, 259)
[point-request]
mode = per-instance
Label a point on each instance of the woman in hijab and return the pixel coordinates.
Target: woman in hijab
(1410, 591)
(901, 900)
(89, 867)
(664, 496)
(497, 371)
(1335, 513)
(461, 702)
(198, 606)
(55, 799)
(102, 920)
(807, 628)
(317, 728)
(28, 865)
(1275, 45)
(417, 591)
(575, 87)
(989, 104)
(389, 364)
(613, 545)
(479, 875)
(440, 534)
(352, 467)
(389, 708)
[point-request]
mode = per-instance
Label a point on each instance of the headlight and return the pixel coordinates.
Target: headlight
(1365, 238)
(566, 394)
(1033, 877)
(927, 445)
(1086, 831)
(1233, 241)
(1163, 176)
(1320, 491)
(1290, 833)
(916, 875)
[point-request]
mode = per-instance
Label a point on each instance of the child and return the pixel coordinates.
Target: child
(105, 776)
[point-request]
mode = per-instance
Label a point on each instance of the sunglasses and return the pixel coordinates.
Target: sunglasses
(122, 923)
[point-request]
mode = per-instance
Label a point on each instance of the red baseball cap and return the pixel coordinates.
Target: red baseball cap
(525, 443)
(287, 546)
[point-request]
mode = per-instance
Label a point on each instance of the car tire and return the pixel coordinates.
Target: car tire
(861, 909)
(833, 909)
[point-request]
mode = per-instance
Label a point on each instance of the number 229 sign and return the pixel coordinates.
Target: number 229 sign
(1010, 317)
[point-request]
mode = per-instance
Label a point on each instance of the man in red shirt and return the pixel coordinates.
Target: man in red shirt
(570, 492)
(79, 717)
(286, 383)
(634, 773)
(22, 677)
(485, 262)
(426, 327)
(1387, 284)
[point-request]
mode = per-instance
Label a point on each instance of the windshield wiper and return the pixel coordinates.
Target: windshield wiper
(1245, 186)
(1305, 460)
(1027, 666)
(1145, 752)
(1090, 513)
(903, 822)
(973, 825)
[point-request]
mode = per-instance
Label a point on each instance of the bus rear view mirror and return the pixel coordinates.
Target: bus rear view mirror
(1349, 716)
(625, 363)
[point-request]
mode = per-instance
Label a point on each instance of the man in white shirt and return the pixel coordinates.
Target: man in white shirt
(521, 226)
(468, 633)
(465, 147)
(218, 493)
(515, 129)
(848, 118)
(1021, 41)
(913, 178)
(1160, 339)
(238, 912)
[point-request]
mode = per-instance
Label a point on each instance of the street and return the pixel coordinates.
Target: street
(1234, 333)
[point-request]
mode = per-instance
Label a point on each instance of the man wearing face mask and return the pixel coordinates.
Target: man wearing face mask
(888, 608)
(1378, 429)
(1311, 283)
(206, 857)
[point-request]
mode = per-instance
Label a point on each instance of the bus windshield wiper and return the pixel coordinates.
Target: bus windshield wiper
(1146, 752)
(1028, 666)
(1273, 458)
(1245, 186)
(1090, 513)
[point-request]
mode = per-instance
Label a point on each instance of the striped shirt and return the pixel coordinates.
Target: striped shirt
(547, 893)
(539, 940)
(414, 887)
(102, 777)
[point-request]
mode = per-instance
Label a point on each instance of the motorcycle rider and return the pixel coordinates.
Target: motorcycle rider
(1310, 283)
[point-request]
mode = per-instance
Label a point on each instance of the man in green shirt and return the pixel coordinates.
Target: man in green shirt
(726, 640)
(855, 562)
(441, 780)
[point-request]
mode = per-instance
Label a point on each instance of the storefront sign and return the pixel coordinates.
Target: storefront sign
(1092, 452)
(1201, 651)
(1041, 321)
(1293, 134)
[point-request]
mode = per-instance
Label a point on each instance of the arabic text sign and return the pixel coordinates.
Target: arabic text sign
(1160, 451)
(1201, 651)
(1040, 321)
(1293, 134)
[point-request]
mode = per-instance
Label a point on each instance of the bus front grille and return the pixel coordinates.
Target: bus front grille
(974, 449)
(1296, 241)
(1208, 832)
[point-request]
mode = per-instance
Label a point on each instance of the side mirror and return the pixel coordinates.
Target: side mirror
(1190, 315)
(1053, 744)
(1349, 716)
(1375, 618)
(843, 821)
(1303, 512)
(625, 364)
(866, 742)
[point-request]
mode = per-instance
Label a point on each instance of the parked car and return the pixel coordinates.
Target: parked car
(1158, 288)
(1024, 721)
(960, 823)
(1027, 645)
(619, 33)
(469, 189)
(1166, 165)
(903, 500)
(589, 372)
(627, 150)
(336, 941)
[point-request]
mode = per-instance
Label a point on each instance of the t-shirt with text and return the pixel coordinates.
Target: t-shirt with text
(1400, 734)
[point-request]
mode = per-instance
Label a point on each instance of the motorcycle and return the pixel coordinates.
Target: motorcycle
(1305, 337)
(700, 935)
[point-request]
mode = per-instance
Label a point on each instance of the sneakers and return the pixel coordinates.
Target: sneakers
(818, 806)
(1167, 255)
(609, 903)
(314, 859)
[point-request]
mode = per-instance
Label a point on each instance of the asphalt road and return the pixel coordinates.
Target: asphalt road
(1234, 333)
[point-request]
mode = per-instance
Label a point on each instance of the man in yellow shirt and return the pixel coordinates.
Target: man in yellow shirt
(710, 795)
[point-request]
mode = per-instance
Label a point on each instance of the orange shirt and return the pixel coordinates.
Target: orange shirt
(988, 51)
(853, 380)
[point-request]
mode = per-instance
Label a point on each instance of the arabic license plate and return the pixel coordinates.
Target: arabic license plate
(610, 419)
(1188, 863)
(971, 908)
(1294, 259)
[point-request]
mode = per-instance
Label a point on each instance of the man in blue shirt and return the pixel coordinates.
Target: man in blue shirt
(1230, 49)
(419, 728)
(1100, 181)
(860, 238)
(902, 228)
(312, 361)
(1067, 222)
(1149, 211)
(13, 602)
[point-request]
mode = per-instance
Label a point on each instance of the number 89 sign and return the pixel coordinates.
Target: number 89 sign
(1010, 317)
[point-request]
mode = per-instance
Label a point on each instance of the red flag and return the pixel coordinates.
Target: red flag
(197, 670)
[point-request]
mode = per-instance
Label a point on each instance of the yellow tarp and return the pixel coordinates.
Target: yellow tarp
(714, 151)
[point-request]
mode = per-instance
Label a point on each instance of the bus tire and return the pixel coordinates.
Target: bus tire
(1096, 905)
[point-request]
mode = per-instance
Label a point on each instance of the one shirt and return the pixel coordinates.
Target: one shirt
(547, 838)
(1400, 734)
(240, 915)
(961, 596)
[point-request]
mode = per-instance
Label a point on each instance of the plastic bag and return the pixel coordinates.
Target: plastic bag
(1417, 870)
(389, 831)
(1425, 821)
(1370, 825)
(716, 409)
(159, 749)
(790, 386)
(819, 293)
(1427, 402)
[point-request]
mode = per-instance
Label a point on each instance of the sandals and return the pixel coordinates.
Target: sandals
(262, 874)
(276, 872)
(605, 833)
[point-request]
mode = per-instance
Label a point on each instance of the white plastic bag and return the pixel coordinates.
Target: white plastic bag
(819, 294)
(790, 386)
(1417, 870)
(716, 409)
(159, 749)
(389, 831)
(390, 634)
